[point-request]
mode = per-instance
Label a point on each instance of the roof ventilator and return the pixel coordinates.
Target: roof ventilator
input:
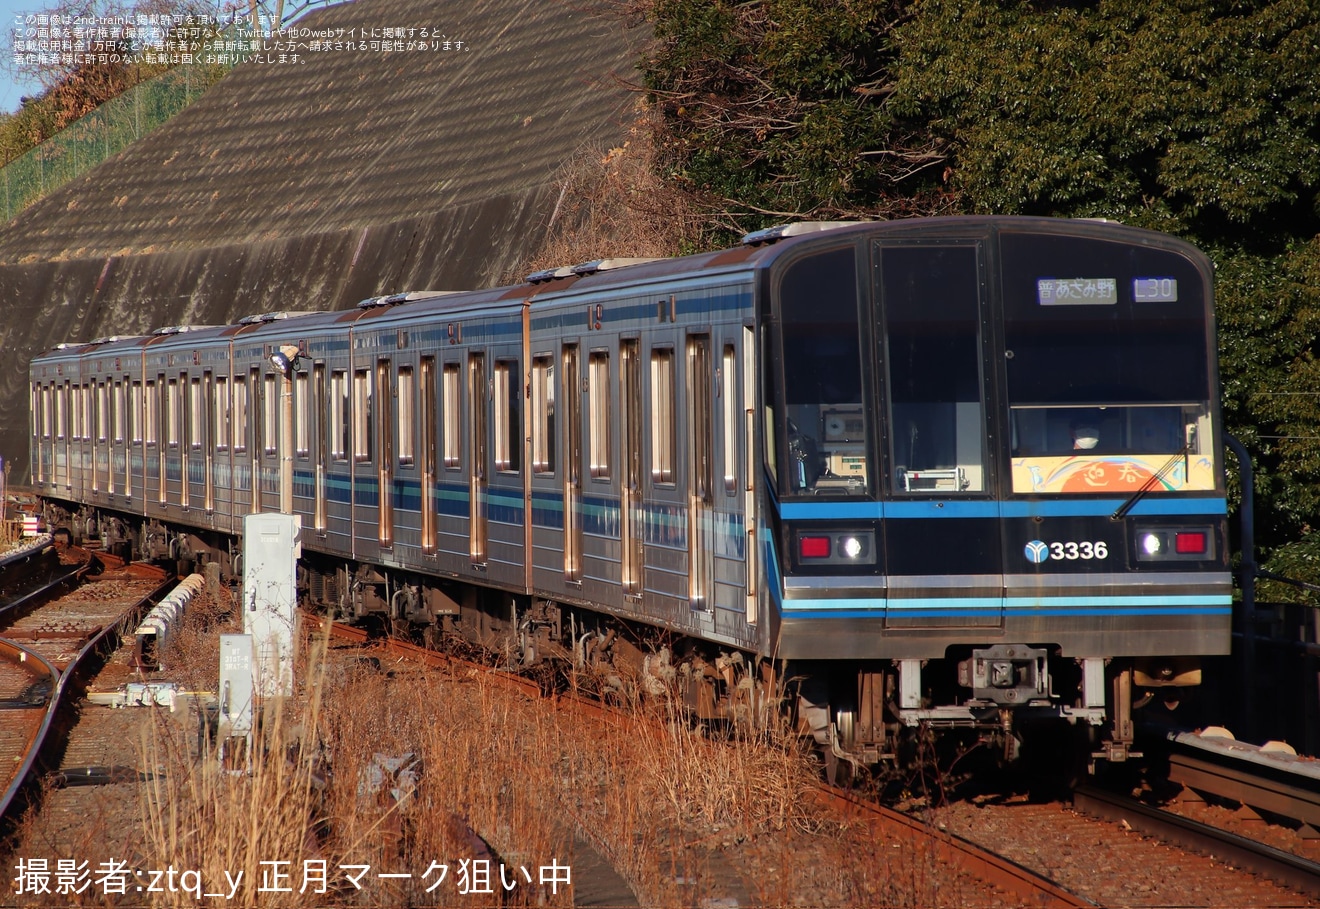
(180, 329)
(795, 229)
(549, 274)
(271, 317)
(590, 268)
(406, 297)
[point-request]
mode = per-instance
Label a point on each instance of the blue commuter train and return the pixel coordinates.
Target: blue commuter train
(954, 472)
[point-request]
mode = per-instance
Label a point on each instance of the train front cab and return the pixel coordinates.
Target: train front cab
(1007, 501)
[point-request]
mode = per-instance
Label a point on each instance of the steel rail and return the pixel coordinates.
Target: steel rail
(1279, 866)
(62, 575)
(17, 654)
(105, 636)
(1027, 887)
(1277, 783)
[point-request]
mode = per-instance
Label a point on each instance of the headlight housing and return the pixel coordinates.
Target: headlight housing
(1174, 544)
(835, 547)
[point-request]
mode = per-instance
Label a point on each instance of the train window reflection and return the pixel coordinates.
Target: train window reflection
(339, 415)
(452, 413)
(1110, 430)
(407, 412)
(240, 421)
(598, 413)
(543, 414)
(663, 444)
(1116, 448)
(932, 305)
(825, 425)
(362, 415)
(508, 416)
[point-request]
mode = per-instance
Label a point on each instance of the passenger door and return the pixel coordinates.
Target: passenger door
(942, 526)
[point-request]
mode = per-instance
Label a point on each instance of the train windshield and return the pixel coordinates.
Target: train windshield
(1107, 359)
(824, 451)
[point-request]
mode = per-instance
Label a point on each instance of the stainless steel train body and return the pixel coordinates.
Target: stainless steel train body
(961, 469)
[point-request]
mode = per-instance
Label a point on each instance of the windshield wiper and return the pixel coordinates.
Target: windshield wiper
(1121, 512)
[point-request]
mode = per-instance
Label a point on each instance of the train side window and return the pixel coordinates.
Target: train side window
(339, 422)
(598, 413)
(270, 414)
(62, 411)
(428, 413)
(187, 428)
(257, 422)
(197, 404)
(383, 424)
(823, 428)
(102, 412)
(46, 411)
(121, 403)
(407, 417)
(302, 434)
(932, 306)
(172, 414)
(222, 405)
(362, 415)
(240, 420)
(151, 414)
(163, 416)
(135, 413)
(729, 415)
(543, 414)
(663, 440)
(508, 422)
(453, 404)
(84, 412)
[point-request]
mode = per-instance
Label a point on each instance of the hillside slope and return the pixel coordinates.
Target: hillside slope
(314, 185)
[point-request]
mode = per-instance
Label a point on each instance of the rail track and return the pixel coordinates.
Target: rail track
(47, 639)
(1240, 859)
(1270, 780)
(55, 632)
(1282, 867)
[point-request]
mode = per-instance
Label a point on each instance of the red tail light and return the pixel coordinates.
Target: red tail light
(814, 547)
(1189, 542)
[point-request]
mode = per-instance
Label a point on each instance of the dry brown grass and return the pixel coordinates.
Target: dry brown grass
(677, 811)
(526, 777)
(613, 203)
(685, 815)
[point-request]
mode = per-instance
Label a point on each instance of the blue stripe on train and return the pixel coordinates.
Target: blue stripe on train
(945, 508)
(952, 607)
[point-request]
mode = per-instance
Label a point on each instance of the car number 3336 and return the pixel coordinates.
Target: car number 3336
(1038, 550)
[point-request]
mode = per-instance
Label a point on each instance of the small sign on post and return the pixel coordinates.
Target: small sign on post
(271, 548)
(237, 686)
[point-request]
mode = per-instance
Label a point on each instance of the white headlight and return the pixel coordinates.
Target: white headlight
(1151, 543)
(852, 547)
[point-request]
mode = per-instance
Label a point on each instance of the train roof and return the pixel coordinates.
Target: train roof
(758, 251)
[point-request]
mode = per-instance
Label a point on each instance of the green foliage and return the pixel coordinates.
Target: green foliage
(778, 109)
(1191, 116)
(1196, 117)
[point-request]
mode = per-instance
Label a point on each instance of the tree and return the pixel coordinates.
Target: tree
(1195, 117)
(778, 110)
(1200, 118)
